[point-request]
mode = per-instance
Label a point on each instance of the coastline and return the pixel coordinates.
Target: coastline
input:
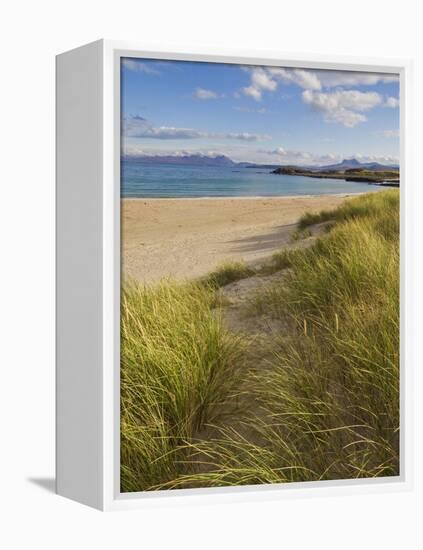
(185, 238)
(385, 177)
(252, 197)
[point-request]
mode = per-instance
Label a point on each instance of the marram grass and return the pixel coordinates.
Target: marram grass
(178, 368)
(227, 273)
(325, 405)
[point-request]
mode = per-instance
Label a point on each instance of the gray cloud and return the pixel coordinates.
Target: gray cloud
(139, 127)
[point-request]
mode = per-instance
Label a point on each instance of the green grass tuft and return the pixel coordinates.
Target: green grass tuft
(227, 273)
(178, 369)
(300, 234)
(369, 204)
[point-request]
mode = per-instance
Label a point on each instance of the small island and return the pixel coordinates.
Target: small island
(372, 173)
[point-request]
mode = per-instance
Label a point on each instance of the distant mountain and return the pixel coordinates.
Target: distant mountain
(348, 164)
(188, 160)
(223, 160)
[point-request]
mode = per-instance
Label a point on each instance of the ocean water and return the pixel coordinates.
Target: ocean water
(166, 181)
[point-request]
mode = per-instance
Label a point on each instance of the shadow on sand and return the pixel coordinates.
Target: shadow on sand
(279, 237)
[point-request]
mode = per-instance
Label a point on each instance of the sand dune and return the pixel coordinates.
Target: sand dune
(186, 238)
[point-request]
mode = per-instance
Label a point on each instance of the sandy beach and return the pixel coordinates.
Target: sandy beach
(186, 238)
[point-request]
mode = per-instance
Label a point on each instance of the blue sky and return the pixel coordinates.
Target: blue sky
(258, 114)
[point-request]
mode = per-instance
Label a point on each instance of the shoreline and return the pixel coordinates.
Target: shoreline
(188, 238)
(252, 197)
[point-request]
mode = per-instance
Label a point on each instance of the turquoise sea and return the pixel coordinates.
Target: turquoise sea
(166, 180)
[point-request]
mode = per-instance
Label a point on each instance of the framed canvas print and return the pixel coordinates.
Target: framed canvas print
(232, 276)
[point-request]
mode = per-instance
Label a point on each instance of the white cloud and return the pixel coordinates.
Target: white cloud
(347, 118)
(253, 92)
(331, 79)
(164, 132)
(262, 80)
(244, 153)
(301, 77)
(382, 159)
(244, 136)
(286, 156)
(139, 127)
(201, 93)
(348, 99)
(391, 133)
(343, 106)
(268, 78)
(260, 111)
(134, 149)
(392, 102)
(139, 66)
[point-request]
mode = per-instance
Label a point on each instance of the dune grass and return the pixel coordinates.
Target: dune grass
(178, 369)
(366, 205)
(226, 273)
(335, 384)
(278, 261)
(330, 399)
(300, 234)
(324, 405)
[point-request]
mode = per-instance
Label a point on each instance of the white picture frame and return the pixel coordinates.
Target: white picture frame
(88, 278)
